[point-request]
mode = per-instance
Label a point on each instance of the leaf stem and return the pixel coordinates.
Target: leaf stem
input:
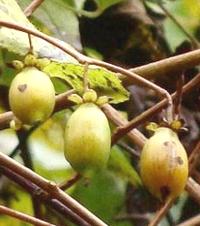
(85, 77)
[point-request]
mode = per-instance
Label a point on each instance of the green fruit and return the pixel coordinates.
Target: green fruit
(164, 164)
(87, 139)
(31, 96)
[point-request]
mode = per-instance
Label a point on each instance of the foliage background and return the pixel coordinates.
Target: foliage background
(127, 33)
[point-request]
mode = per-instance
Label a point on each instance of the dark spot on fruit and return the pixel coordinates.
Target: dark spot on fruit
(166, 143)
(22, 87)
(179, 160)
(165, 191)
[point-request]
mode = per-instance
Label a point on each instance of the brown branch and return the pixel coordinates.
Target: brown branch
(65, 48)
(129, 149)
(123, 130)
(85, 77)
(23, 217)
(87, 60)
(196, 175)
(178, 97)
(5, 119)
(172, 64)
(61, 103)
(194, 157)
(138, 138)
(194, 221)
(32, 7)
(160, 214)
(167, 66)
(115, 117)
(67, 184)
(50, 188)
(193, 188)
(37, 192)
(27, 160)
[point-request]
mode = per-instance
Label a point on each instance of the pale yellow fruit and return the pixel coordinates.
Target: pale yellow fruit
(31, 96)
(164, 164)
(87, 139)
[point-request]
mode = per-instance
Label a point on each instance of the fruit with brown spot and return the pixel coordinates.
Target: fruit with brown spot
(164, 164)
(31, 96)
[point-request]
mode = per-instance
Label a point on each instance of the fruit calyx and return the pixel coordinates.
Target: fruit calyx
(31, 60)
(89, 96)
(176, 125)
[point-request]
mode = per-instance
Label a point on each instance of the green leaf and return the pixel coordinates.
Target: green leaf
(104, 4)
(104, 195)
(58, 17)
(181, 10)
(18, 42)
(119, 164)
(102, 81)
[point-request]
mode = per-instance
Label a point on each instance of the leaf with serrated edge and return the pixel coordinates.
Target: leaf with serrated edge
(104, 82)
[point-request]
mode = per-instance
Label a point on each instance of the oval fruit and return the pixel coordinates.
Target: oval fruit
(32, 96)
(164, 164)
(87, 138)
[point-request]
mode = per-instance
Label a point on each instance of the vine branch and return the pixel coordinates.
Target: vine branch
(194, 221)
(37, 192)
(50, 188)
(23, 217)
(123, 130)
(32, 7)
(160, 214)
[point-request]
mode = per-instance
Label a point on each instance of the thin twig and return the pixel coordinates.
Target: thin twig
(172, 64)
(27, 160)
(30, 43)
(44, 197)
(67, 49)
(194, 157)
(85, 77)
(5, 119)
(83, 59)
(67, 184)
(193, 221)
(15, 151)
(23, 217)
(129, 149)
(160, 214)
(52, 189)
(123, 130)
(178, 98)
(32, 7)
(196, 175)
(193, 188)
(179, 25)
